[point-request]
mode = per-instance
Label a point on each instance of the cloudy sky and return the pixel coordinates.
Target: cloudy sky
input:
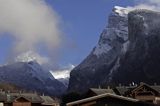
(63, 31)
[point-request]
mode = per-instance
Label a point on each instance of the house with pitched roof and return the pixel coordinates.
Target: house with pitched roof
(23, 99)
(48, 101)
(26, 99)
(143, 92)
(108, 99)
(132, 95)
(98, 91)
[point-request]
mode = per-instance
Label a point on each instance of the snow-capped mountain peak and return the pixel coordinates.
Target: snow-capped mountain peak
(63, 74)
(124, 56)
(122, 11)
(97, 64)
(31, 76)
(116, 30)
(31, 56)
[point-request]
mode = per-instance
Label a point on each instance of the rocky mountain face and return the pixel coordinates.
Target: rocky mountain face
(141, 61)
(93, 71)
(31, 76)
(128, 51)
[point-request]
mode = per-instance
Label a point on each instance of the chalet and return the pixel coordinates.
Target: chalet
(125, 90)
(122, 90)
(48, 101)
(25, 99)
(144, 92)
(108, 99)
(98, 91)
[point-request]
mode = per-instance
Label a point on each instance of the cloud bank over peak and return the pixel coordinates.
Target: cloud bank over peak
(32, 56)
(30, 22)
(147, 4)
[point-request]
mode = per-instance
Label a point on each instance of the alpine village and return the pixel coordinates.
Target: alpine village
(123, 69)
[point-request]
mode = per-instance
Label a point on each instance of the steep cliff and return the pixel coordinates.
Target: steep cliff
(141, 61)
(128, 51)
(93, 71)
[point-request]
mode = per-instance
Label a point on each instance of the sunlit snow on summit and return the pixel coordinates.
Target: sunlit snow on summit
(62, 74)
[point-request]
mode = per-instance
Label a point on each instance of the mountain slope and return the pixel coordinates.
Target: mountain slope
(97, 66)
(31, 76)
(122, 56)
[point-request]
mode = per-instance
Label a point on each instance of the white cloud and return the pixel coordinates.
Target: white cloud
(30, 22)
(147, 4)
(152, 1)
(32, 56)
